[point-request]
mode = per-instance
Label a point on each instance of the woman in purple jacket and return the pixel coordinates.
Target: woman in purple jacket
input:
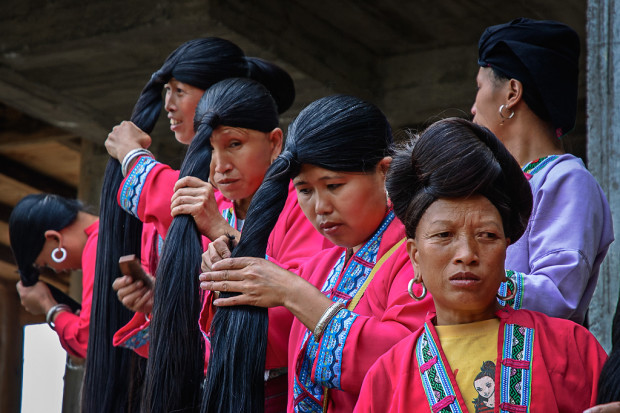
(527, 96)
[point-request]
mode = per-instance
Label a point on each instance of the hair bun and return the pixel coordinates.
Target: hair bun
(275, 79)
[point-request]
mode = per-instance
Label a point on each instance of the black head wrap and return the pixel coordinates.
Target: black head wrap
(544, 56)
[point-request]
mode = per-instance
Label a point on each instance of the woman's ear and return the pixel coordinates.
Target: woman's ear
(276, 138)
(412, 251)
(384, 165)
(515, 92)
(53, 235)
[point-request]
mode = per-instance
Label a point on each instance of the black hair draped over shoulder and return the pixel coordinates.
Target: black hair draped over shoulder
(456, 158)
(110, 381)
(176, 358)
(340, 133)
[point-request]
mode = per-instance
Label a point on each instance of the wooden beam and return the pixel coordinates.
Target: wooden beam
(34, 178)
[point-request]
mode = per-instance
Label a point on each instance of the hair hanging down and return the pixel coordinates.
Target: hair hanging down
(200, 63)
(340, 133)
(32, 216)
(176, 358)
(609, 380)
(456, 158)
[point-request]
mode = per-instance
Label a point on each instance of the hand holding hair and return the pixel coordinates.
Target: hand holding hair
(133, 294)
(217, 251)
(265, 284)
(125, 137)
(36, 299)
(195, 197)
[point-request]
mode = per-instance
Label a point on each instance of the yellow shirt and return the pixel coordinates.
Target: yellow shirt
(471, 350)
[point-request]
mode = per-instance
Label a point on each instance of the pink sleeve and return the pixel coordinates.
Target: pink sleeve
(390, 382)
(73, 329)
(377, 389)
(146, 192)
(385, 315)
(294, 239)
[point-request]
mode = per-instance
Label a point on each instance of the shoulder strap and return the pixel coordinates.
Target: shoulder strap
(378, 265)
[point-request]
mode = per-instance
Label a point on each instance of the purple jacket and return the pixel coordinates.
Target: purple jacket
(557, 260)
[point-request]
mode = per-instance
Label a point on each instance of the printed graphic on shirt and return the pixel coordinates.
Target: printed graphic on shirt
(484, 383)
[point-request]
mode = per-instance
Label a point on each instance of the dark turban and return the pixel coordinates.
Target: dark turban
(544, 56)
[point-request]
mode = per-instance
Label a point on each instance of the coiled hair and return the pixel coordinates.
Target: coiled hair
(456, 158)
(340, 133)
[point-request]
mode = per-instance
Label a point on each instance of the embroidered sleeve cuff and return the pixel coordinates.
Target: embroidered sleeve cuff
(131, 188)
(513, 285)
(329, 355)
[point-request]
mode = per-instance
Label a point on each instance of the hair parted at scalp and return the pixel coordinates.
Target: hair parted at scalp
(176, 357)
(455, 158)
(340, 133)
(200, 63)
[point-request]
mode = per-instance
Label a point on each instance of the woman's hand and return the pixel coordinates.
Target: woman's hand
(36, 299)
(134, 294)
(613, 407)
(260, 282)
(217, 251)
(264, 284)
(195, 197)
(125, 137)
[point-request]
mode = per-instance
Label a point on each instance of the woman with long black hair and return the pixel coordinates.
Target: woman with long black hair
(51, 232)
(198, 63)
(350, 302)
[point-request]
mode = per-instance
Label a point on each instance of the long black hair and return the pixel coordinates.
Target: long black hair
(456, 158)
(609, 380)
(30, 219)
(108, 383)
(176, 359)
(340, 133)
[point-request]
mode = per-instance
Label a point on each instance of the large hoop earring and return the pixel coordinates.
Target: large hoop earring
(501, 108)
(63, 255)
(410, 290)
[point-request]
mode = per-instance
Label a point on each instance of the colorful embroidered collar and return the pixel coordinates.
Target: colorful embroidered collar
(536, 165)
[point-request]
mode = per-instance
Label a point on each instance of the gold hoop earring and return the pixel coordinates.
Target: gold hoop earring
(410, 290)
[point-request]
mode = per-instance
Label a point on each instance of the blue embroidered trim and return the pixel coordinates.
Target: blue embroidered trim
(160, 244)
(329, 363)
(139, 339)
(516, 367)
(328, 352)
(435, 379)
(515, 280)
(134, 183)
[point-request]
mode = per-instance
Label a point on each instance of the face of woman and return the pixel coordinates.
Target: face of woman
(180, 103)
(485, 386)
(344, 207)
(459, 251)
(488, 100)
(240, 159)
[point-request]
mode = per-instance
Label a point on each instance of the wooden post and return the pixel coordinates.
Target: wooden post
(603, 135)
(11, 349)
